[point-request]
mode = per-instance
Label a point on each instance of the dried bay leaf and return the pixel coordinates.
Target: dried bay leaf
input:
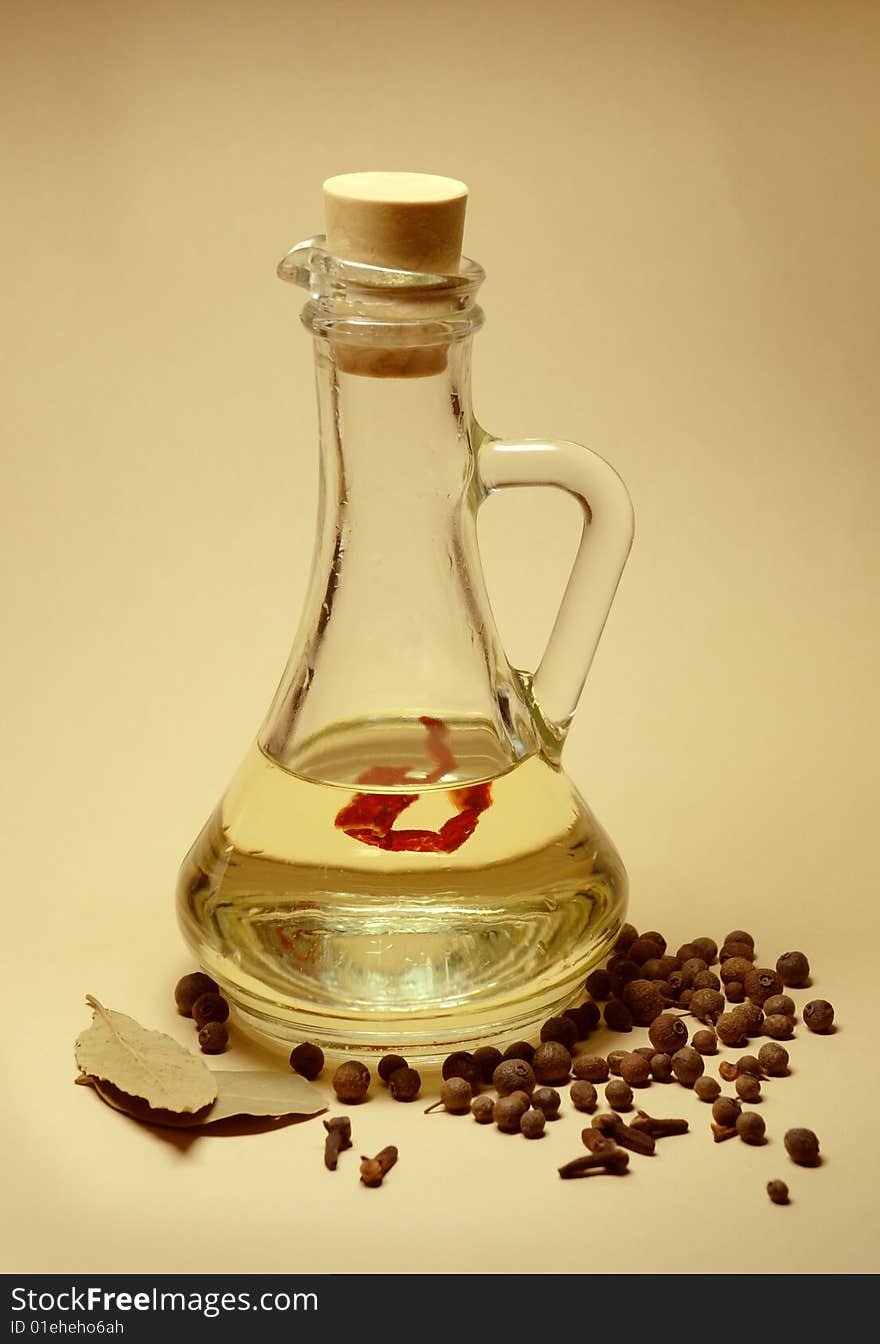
(142, 1064)
(239, 1092)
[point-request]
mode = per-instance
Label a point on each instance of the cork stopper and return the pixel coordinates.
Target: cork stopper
(405, 221)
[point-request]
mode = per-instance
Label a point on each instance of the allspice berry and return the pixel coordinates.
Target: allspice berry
(351, 1081)
(706, 1004)
(778, 1192)
(532, 1123)
(750, 1127)
(778, 1026)
(519, 1050)
(779, 1003)
(461, 1064)
(598, 984)
(615, 1059)
(740, 936)
(307, 1060)
(661, 1067)
(551, 1063)
(761, 983)
(706, 980)
(644, 999)
(725, 1111)
(389, 1064)
(617, 1016)
(751, 1016)
(730, 1029)
(213, 1038)
(635, 1070)
(735, 991)
(583, 1095)
(561, 1029)
(734, 968)
(591, 1068)
(508, 1111)
(802, 1147)
(667, 1033)
(628, 934)
(456, 1094)
(773, 1059)
(705, 1042)
(793, 970)
(644, 949)
(619, 1095)
(192, 987)
(687, 1065)
(487, 1058)
(706, 948)
(548, 1100)
(735, 948)
(819, 1015)
(405, 1084)
(513, 1075)
(482, 1109)
(748, 1088)
(707, 1089)
(209, 1008)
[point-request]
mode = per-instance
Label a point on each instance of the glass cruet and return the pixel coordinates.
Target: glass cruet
(400, 861)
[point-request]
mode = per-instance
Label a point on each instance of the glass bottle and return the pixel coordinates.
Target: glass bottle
(400, 861)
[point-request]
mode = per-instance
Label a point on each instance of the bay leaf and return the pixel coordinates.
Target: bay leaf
(143, 1064)
(239, 1092)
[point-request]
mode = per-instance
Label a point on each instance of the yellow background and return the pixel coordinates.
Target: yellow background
(677, 205)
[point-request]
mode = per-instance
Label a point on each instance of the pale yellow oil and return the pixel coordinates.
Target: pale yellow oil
(315, 934)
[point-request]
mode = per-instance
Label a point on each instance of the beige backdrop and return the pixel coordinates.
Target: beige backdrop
(677, 205)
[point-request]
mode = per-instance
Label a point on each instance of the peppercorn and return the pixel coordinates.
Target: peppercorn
(405, 1084)
(615, 1058)
(192, 987)
(551, 1063)
(778, 1192)
(213, 1038)
(599, 984)
(621, 974)
(562, 1030)
(519, 1050)
(750, 1127)
(667, 1033)
(725, 1111)
(351, 1081)
(706, 1088)
(307, 1060)
(779, 1003)
(482, 1108)
(487, 1058)
(653, 936)
(461, 1064)
(508, 1111)
(751, 1017)
(209, 1008)
(802, 1147)
(793, 970)
(748, 1087)
(730, 1029)
(644, 1000)
(661, 1067)
(513, 1075)
(644, 949)
(744, 950)
(706, 1004)
(819, 1015)
(687, 1065)
(734, 968)
(387, 1065)
(619, 1095)
(740, 936)
(735, 991)
(707, 948)
(591, 1068)
(706, 980)
(548, 1100)
(762, 983)
(617, 1016)
(778, 1026)
(705, 1041)
(532, 1123)
(773, 1059)
(628, 934)
(635, 1070)
(583, 1095)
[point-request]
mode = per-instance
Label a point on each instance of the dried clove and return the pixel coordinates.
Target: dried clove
(612, 1161)
(723, 1132)
(658, 1128)
(337, 1140)
(626, 1136)
(373, 1169)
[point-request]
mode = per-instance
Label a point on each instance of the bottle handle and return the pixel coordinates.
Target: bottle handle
(604, 546)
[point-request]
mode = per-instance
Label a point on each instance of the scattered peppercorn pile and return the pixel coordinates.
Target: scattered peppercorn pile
(641, 984)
